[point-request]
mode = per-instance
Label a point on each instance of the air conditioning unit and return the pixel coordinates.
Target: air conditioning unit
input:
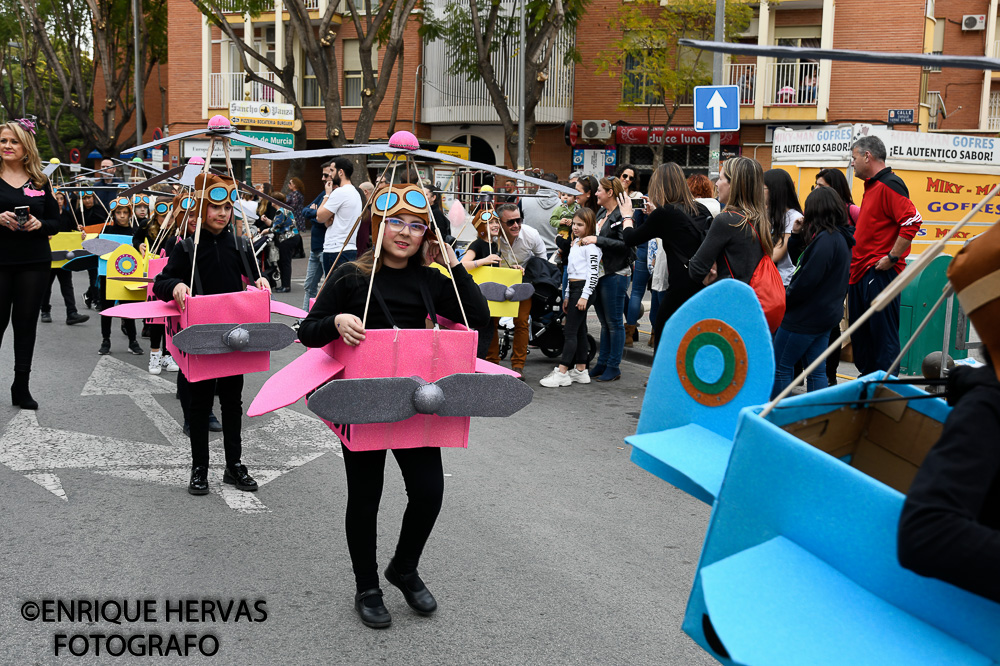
(974, 22)
(596, 130)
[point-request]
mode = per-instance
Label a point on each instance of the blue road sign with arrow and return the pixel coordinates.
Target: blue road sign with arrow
(716, 108)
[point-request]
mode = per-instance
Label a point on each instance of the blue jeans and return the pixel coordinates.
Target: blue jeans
(314, 275)
(609, 303)
(330, 257)
(640, 278)
(789, 349)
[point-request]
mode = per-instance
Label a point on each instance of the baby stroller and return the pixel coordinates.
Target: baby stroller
(266, 250)
(546, 328)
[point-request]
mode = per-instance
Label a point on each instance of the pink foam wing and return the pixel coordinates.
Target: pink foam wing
(145, 310)
(278, 307)
(488, 368)
(286, 386)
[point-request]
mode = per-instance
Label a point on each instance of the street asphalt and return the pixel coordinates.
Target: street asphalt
(551, 548)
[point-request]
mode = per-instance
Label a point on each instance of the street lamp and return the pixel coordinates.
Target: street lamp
(20, 61)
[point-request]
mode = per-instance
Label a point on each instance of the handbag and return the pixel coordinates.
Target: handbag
(766, 283)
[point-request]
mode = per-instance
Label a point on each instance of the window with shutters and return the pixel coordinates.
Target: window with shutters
(353, 82)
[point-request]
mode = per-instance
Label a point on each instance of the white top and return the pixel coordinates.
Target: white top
(345, 204)
(660, 280)
(528, 244)
(584, 264)
(785, 266)
(713, 205)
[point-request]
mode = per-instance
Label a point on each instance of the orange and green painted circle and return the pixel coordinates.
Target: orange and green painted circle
(712, 362)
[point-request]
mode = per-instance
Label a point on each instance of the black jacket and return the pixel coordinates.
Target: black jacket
(220, 267)
(616, 255)
(28, 247)
(814, 298)
(730, 243)
(950, 525)
(680, 235)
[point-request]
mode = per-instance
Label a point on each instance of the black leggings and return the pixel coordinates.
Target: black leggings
(127, 324)
(424, 479)
(156, 335)
(285, 249)
(65, 286)
(575, 347)
(21, 291)
(202, 395)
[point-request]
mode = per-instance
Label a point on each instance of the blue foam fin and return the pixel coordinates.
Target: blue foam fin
(691, 457)
(776, 604)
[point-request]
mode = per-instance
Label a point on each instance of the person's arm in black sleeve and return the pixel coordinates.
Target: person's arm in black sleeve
(711, 248)
(319, 328)
(658, 224)
(138, 236)
(613, 242)
(477, 309)
(177, 271)
(940, 534)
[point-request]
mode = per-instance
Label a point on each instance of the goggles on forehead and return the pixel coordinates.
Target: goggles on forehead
(119, 202)
(161, 208)
(88, 193)
(408, 199)
(140, 200)
(220, 194)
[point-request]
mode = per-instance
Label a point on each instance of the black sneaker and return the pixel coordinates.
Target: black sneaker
(46, 317)
(133, 346)
(199, 481)
(76, 318)
(105, 347)
(238, 476)
(213, 423)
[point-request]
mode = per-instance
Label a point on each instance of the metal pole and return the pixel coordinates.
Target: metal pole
(416, 82)
(714, 146)
(521, 88)
(136, 8)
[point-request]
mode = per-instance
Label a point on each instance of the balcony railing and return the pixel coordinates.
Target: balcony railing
(934, 108)
(453, 99)
(225, 88)
(791, 83)
(994, 117)
(744, 76)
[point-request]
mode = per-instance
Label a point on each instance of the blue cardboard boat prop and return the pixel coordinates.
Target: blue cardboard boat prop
(799, 562)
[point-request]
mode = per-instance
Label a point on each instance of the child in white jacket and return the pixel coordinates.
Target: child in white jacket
(583, 268)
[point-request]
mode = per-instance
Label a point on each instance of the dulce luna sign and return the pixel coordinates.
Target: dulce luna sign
(680, 136)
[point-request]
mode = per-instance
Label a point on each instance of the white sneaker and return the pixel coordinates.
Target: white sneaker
(579, 376)
(154, 363)
(169, 364)
(555, 379)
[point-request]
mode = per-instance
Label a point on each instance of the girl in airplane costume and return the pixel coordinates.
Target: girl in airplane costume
(406, 290)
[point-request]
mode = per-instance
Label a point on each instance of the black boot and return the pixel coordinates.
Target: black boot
(20, 396)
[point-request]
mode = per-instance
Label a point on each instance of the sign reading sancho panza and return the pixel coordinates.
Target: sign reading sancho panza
(262, 114)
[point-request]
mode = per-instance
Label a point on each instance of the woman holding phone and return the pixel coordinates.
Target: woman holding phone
(29, 214)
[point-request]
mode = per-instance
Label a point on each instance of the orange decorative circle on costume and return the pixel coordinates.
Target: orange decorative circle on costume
(712, 362)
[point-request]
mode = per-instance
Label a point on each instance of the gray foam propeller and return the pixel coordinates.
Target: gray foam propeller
(100, 246)
(393, 399)
(494, 291)
(225, 338)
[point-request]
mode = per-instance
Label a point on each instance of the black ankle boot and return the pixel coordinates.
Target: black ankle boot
(20, 396)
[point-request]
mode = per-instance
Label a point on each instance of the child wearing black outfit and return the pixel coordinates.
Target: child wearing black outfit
(402, 281)
(220, 269)
(121, 224)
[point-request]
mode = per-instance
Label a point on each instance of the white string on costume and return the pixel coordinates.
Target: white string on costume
(378, 244)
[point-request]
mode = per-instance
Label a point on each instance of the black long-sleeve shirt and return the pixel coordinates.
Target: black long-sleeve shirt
(680, 235)
(814, 298)
(28, 247)
(615, 254)
(346, 290)
(950, 525)
(220, 268)
(730, 243)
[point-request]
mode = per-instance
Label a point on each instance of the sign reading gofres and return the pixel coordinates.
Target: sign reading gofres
(791, 146)
(951, 148)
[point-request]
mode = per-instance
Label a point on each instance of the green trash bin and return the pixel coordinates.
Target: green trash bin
(916, 301)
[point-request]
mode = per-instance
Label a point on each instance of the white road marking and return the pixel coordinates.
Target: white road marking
(273, 445)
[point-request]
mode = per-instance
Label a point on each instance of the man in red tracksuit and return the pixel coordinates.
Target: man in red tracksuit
(887, 223)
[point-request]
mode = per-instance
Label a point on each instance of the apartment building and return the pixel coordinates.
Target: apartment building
(205, 74)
